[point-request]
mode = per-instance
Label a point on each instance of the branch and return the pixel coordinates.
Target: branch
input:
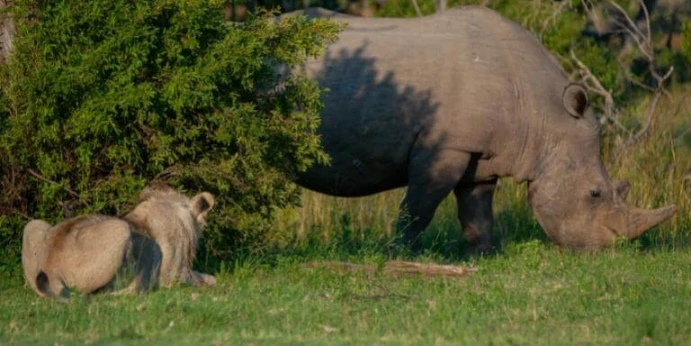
(441, 5)
(166, 173)
(6, 210)
(644, 42)
(560, 8)
(645, 45)
(683, 134)
(67, 189)
(649, 120)
(593, 84)
(630, 26)
(631, 78)
(417, 8)
(588, 6)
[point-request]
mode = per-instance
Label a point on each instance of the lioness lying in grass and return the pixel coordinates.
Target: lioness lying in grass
(155, 244)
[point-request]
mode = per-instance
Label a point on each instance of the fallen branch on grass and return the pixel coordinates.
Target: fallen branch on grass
(396, 268)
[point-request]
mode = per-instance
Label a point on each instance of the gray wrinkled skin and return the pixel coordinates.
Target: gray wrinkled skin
(452, 102)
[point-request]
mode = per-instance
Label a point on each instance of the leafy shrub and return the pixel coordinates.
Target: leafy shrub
(102, 97)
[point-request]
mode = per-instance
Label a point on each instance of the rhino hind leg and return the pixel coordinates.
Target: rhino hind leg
(475, 214)
(432, 176)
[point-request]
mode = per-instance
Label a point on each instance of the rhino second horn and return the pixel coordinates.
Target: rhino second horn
(621, 187)
(641, 220)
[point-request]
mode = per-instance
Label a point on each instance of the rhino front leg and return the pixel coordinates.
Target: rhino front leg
(475, 214)
(432, 176)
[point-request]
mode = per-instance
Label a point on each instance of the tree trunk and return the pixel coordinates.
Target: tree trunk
(7, 31)
(441, 5)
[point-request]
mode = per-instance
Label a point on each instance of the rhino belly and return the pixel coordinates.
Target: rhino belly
(360, 165)
(350, 183)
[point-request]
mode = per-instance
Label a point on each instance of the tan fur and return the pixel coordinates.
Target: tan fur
(177, 236)
(153, 244)
(33, 250)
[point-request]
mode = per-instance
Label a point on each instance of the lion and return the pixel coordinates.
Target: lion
(153, 245)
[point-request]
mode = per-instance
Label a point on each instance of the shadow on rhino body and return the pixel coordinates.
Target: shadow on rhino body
(355, 87)
(415, 109)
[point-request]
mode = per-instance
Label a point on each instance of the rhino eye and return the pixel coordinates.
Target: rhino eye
(595, 193)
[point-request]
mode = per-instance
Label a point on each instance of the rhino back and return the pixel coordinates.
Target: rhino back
(467, 79)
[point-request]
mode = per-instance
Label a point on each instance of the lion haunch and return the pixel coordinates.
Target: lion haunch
(154, 244)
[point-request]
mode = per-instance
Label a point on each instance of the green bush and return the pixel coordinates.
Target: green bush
(102, 97)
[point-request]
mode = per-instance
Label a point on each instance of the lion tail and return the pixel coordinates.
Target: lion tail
(43, 285)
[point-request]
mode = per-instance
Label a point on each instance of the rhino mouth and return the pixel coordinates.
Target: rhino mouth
(612, 232)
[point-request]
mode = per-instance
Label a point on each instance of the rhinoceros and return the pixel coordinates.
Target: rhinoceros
(452, 102)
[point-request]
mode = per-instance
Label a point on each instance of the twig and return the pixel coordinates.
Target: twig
(397, 268)
(67, 189)
(644, 42)
(560, 8)
(168, 172)
(441, 6)
(649, 120)
(635, 33)
(417, 8)
(681, 135)
(638, 83)
(587, 6)
(15, 211)
(595, 86)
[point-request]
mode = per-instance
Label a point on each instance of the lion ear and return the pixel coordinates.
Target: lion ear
(201, 205)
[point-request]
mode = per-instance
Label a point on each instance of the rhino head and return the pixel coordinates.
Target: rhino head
(571, 194)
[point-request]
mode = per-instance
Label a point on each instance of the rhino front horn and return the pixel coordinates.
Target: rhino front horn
(641, 220)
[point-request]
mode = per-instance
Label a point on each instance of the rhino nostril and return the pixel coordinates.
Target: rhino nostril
(595, 193)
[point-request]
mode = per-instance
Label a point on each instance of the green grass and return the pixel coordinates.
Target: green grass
(528, 292)
(532, 293)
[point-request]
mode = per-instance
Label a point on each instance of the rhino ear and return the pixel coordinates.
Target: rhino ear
(575, 99)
